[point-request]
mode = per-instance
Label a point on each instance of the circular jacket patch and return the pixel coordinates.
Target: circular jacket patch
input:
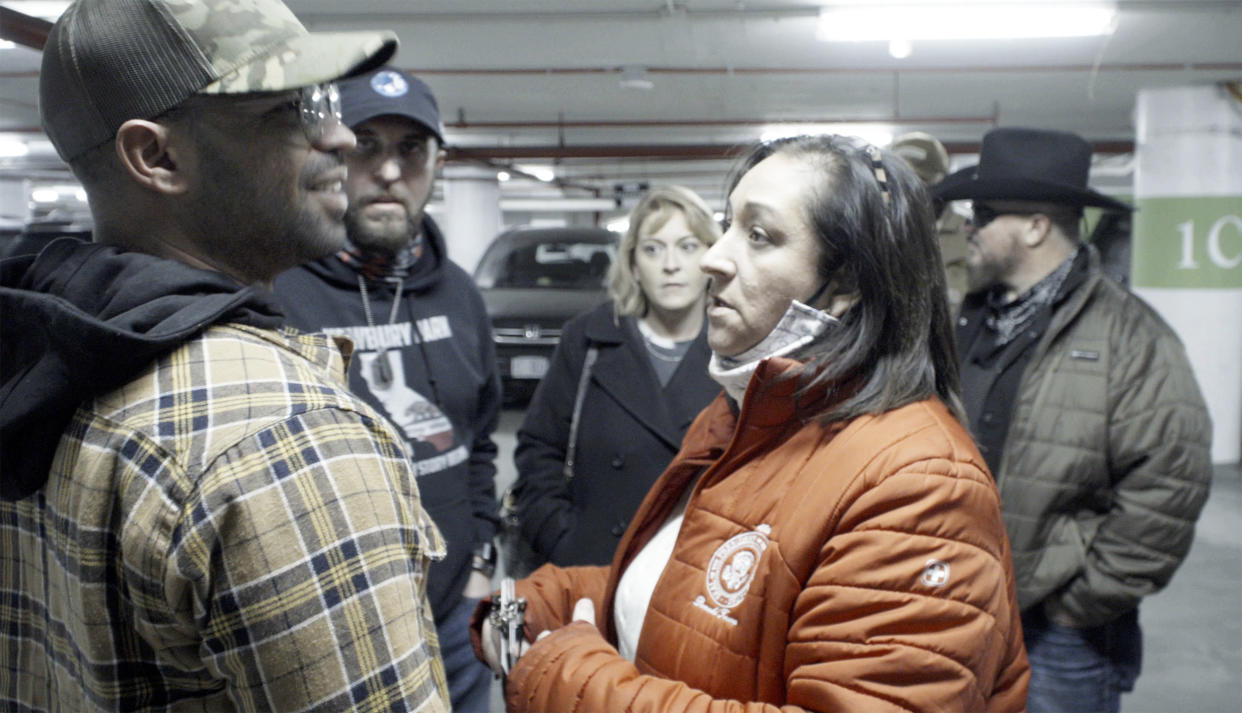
(732, 567)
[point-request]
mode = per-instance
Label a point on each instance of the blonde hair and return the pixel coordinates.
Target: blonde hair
(654, 209)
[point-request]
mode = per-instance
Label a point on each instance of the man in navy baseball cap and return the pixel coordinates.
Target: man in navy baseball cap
(423, 348)
(390, 91)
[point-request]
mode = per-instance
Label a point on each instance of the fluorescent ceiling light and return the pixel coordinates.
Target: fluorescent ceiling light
(503, 176)
(557, 205)
(619, 225)
(58, 192)
(963, 21)
(12, 148)
(875, 134)
(635, 77)
(44, 195)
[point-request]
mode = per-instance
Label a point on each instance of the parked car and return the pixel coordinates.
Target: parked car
(533, 281)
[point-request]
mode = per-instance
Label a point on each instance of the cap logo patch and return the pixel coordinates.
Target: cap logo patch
(389, 84)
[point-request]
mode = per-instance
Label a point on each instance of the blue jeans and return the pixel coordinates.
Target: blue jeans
(469, 679)
(1081, 670)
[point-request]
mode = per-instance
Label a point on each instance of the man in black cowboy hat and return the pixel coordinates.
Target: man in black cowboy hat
(1086, 409)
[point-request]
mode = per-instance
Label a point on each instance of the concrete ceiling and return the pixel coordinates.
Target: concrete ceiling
(540, 81)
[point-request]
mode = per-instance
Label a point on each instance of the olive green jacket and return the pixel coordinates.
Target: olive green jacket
(1107, 460)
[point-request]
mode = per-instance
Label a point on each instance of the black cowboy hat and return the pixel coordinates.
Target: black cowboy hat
(1028, 165)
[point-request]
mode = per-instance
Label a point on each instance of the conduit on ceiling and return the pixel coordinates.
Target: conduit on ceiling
(32, 32)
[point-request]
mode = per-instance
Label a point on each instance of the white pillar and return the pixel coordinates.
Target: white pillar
(471, 215)
(14, 197)
(1187, 242)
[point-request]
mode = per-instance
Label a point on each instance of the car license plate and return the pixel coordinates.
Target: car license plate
(528, 367)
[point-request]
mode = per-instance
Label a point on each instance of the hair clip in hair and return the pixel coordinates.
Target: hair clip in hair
(881, 176)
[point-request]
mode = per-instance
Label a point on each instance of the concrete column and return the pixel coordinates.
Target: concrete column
(14, 198)
(1187, 242)
(471, 215)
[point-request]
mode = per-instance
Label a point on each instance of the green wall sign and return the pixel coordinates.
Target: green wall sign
(1188, 242)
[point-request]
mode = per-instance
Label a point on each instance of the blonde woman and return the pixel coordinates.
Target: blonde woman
(626, 381)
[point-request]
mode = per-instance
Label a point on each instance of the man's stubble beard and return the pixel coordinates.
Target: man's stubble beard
(256, 228)
(387, 238)
(990, 271)
(978, 277)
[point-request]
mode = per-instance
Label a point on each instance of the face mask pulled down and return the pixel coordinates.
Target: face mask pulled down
(798, 327)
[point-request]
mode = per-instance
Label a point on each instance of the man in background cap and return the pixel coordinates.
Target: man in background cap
(929, 159)
(424, 354)
(196, 513)
(1085, 407)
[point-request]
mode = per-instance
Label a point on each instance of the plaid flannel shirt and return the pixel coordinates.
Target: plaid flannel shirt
(232, 530)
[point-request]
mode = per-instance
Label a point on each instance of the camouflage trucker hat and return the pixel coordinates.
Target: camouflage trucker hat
(925, 154)
(109, 61)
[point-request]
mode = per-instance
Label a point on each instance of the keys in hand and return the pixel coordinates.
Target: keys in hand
(508, 619)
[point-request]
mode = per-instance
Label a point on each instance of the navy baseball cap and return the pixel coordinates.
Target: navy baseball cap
(389, 91)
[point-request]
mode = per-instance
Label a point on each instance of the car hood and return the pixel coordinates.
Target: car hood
(527, 303)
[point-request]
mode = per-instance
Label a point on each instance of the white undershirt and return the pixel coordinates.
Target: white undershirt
(638, 582)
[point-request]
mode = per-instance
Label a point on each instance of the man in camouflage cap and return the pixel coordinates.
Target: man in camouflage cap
(930, 161)
(195, 513)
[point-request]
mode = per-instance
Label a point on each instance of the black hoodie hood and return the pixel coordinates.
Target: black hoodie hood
(425, 274)
(81, 319)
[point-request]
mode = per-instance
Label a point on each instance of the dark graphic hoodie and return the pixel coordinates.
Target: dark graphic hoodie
(430, 367)
(82, 319)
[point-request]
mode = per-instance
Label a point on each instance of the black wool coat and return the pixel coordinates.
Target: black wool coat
(630, 429)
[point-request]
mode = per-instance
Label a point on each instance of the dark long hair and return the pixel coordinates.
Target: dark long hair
(895, 345)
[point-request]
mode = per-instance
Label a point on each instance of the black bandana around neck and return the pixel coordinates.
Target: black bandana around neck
(1009, 319)
(375, 266)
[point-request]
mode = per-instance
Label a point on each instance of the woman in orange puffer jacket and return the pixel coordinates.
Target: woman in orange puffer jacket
(828, 538)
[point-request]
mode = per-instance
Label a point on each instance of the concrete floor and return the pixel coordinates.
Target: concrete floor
(1192, 629)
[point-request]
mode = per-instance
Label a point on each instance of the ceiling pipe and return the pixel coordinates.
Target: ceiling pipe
(681, 151)
(464, 124)
(556, 205)
(749, 123)
(764, 71)
(888, 69)
(672, 152)
(658, 12)
(33, 32)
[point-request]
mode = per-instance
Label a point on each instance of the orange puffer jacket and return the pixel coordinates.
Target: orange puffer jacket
(860, 566)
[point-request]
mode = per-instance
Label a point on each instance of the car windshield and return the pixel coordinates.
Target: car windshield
(563, 265)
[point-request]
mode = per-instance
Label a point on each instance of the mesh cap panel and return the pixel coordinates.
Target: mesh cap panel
(109, 61)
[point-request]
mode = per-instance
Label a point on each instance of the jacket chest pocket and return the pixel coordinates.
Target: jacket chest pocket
(1067, 415)
(1071, 383)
